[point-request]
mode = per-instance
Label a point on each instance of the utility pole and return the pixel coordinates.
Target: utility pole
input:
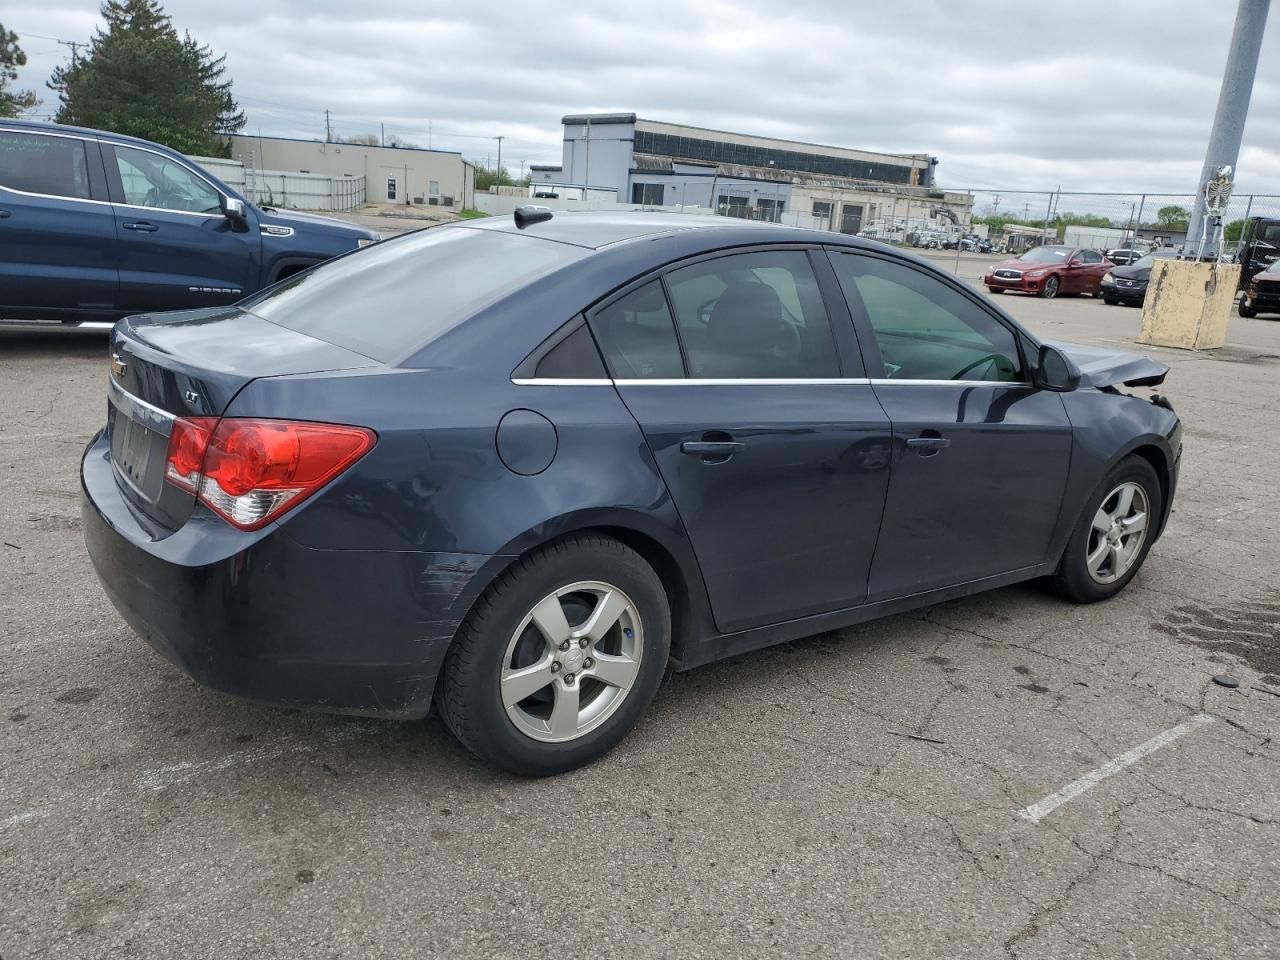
(428, 134)
(328, 131)
(75, 46)
(498, 176)
(1233, 107)
(995, 204)
(383, 139)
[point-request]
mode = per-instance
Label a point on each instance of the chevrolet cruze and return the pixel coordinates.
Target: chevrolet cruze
(516, 468)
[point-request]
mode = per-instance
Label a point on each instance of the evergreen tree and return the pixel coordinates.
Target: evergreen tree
(11, 58)
(140, 78)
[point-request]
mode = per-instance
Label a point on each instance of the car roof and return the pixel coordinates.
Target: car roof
(48, 127)
(595, 230)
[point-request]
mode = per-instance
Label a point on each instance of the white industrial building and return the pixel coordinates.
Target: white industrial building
(391, 175)
(622, 157)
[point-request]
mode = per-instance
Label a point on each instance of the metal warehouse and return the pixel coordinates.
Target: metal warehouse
(621, 156)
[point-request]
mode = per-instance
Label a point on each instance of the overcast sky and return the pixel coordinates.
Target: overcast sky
(1089, 95)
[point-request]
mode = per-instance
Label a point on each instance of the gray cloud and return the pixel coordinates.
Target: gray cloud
(1007, 94)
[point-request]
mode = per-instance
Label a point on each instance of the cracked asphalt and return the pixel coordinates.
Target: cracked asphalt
(849, 795)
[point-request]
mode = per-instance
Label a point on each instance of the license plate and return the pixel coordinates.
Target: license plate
(131, 445)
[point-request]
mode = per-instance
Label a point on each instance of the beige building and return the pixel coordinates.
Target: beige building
(392, 175)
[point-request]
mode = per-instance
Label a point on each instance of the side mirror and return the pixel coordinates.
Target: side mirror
(1056, 371)
(234, 210)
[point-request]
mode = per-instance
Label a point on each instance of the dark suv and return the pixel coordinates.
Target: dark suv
(95, 226)
(1259, 247)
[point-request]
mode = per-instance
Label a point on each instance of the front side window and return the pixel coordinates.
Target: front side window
(637, 336)
(753, 316)
(925, 329)
(1091, 256)
(152, 180)
(36, 163)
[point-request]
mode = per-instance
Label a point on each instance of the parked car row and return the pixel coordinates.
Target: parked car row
(95, 226)
(1128, 284)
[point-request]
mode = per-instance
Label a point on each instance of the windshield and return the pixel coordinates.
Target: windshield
(1151, 258)
(390, 297)
(1274, 268)
(1045, 255)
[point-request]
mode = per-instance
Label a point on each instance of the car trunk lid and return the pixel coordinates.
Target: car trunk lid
(191, 364)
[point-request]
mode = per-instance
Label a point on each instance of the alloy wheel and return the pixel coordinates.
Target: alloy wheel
(1118, 533)
(572, 661)
(1051, 288)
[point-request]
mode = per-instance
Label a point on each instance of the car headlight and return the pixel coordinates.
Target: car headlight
(368, 241)
(1036, 274)
(1108, 278)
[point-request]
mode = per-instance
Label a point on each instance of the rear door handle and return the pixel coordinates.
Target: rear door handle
(5, 214)
(928, 446)
(142, 226)
(711, 448)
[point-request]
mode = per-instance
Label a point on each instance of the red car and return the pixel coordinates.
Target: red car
(1049, 271)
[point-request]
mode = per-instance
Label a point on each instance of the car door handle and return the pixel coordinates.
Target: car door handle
(142, 226)
(711, 448)
(5, 214)
(928, 446)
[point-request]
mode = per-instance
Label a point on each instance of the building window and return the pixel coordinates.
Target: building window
(730, 206)
(822, 210)
(433, 188)
(650, 194)
(391, 188)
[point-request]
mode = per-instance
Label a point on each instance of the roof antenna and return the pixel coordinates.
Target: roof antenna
(529, 213)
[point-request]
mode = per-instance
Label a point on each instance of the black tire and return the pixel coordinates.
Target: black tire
(996, 289)
(1050, 288)
(1109, 301)
(469, 695)
(1245, 310)
(1072, 579)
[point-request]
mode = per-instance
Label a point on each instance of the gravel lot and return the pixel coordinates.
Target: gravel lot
(851, 795)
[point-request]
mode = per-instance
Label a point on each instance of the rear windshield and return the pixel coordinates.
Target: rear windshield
(393, 296)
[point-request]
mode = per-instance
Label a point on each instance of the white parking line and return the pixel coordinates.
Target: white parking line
(18, 818)
(1038, 811)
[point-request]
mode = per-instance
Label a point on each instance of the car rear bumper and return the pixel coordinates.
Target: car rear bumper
(263, 617)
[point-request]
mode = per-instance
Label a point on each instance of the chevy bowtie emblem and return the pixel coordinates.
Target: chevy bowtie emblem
(118, 366)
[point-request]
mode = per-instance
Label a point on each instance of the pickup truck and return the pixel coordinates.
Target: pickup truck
(95, 226)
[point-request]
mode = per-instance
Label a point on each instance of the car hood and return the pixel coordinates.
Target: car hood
(1131, 273)
(1102, 367)
(1016, 264)
(1267, 278)
(303, 221)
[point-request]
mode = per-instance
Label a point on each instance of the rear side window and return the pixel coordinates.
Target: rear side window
(637, 336)
(37, 163)
(393, 296)
(753, 316)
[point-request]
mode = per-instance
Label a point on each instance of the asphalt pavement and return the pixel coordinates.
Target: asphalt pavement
(1002, 776)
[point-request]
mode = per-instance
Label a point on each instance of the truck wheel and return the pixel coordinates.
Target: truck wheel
(1246, 308)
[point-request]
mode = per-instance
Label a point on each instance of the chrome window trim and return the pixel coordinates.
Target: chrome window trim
(135, 408)
(744, 382)
(886, 381)
(108, 203)
(758, 382)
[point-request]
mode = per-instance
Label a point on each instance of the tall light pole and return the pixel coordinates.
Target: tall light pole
(498, 174)
(1233, 108)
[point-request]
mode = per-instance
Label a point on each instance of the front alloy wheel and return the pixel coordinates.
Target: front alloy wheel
(1050, 288)
(1118, 533)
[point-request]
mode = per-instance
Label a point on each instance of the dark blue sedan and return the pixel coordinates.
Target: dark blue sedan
(517, 467)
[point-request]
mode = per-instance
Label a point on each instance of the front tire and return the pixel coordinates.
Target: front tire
(1246, 309)
(1109, 301)
(1050, 288)
(1113, 535)
(559, 658)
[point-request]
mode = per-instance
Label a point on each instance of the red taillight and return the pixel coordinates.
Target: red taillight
(251, 471)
